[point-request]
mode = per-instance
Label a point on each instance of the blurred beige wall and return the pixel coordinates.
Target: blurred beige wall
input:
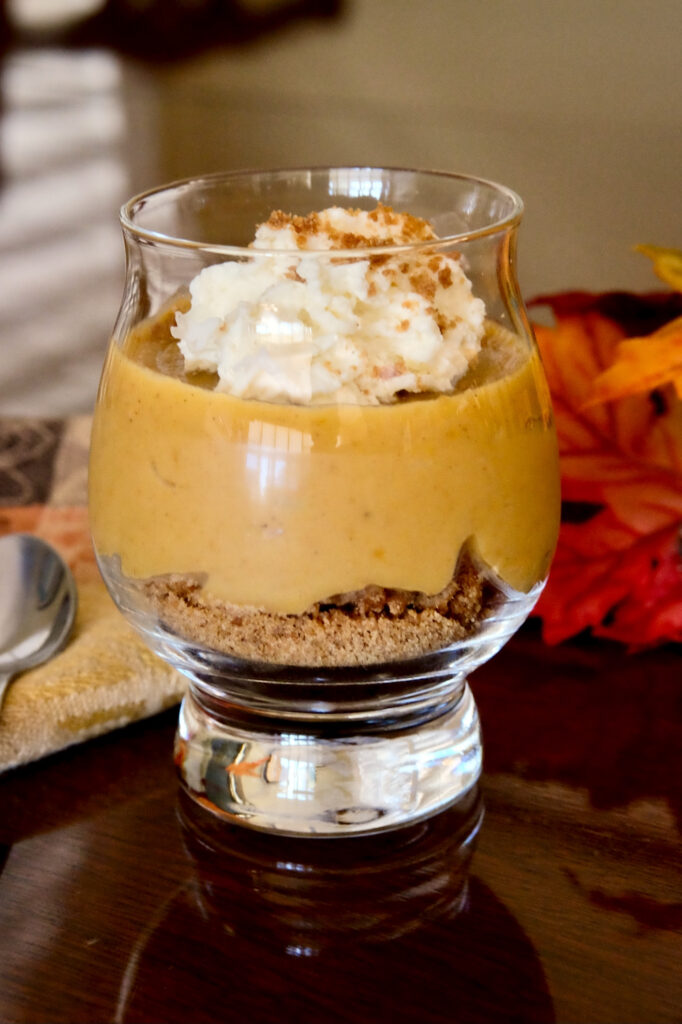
(578, 106)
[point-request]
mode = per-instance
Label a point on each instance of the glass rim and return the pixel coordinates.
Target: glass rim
(129, 208)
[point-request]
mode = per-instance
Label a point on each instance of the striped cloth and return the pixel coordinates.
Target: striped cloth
(105, 677)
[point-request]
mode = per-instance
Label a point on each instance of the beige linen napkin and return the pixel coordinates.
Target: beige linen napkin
(105, 677)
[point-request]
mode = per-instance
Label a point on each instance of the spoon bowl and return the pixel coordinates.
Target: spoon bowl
(38, 601)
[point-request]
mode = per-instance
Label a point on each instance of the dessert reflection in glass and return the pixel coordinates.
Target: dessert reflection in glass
(324, 481)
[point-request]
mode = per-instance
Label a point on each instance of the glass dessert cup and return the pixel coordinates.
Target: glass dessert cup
(329, 499)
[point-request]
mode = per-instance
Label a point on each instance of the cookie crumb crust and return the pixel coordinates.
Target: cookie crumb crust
(363, 628)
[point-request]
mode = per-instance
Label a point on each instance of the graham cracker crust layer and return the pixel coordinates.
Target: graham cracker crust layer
(362, 628)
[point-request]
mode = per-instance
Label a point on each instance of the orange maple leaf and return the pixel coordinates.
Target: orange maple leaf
(618, 566)
(667, 264)
(641, 364)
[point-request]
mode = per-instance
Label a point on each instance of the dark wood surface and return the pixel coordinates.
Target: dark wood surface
(118, 902)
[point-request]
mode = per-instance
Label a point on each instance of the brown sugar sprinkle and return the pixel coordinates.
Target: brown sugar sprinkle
(409, 228)
(348, 239)
(446, 323)
(445, 277)
(423, 283)
(293, 275)
(304, 227)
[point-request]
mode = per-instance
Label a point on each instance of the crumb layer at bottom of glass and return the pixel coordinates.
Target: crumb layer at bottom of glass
(329, 771)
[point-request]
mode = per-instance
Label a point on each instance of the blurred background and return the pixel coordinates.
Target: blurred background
(576, 105)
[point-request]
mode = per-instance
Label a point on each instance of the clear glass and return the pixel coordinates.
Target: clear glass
(325, 565)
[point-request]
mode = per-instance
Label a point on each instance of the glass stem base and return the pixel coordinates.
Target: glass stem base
(299, 778)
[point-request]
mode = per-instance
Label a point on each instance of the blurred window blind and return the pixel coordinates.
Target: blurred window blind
(62, 134)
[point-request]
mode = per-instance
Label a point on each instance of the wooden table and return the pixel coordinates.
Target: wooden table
(118, 903)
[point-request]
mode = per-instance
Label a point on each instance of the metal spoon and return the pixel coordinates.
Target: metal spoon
(38, 600)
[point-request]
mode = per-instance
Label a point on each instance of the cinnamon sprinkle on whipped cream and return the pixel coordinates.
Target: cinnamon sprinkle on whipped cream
(292, 326)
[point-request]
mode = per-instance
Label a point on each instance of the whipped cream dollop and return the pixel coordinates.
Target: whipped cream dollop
(291, 326)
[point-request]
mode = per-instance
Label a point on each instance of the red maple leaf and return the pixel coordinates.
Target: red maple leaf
(618, 566)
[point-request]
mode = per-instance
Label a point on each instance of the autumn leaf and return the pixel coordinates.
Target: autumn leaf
(642, 364)
(618, 566)
(667, 264)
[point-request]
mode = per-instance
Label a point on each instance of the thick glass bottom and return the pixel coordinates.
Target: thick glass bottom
(306, 777)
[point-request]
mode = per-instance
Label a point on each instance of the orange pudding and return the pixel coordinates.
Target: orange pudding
(276, 507)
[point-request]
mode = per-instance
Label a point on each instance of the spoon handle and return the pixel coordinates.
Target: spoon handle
(5, 680)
